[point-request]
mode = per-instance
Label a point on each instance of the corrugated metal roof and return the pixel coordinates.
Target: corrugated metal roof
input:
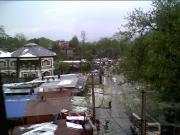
(53, 102)
(16, 106)
(49, 128)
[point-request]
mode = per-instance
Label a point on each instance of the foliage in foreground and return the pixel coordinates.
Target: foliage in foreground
(153, 54)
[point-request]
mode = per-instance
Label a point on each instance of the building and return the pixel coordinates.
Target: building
(4, 61)
(31, 60)
(68, 51)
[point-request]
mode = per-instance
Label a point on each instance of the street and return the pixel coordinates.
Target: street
(119, 123)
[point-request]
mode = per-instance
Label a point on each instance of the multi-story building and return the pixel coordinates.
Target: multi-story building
(67, 50)
(31, 60)
(4, 61)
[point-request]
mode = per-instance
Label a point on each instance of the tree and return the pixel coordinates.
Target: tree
(74, 42)
(56, 49)
(140, 22)
(9, 43)
(81, 48)
(107, 47)
(41, 41)
(20, 40)
(83, 36)
(20, 37)
(122, 35)
(153, 55)
(2, 32)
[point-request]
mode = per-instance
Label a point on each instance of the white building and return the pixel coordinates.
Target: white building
(31, 60)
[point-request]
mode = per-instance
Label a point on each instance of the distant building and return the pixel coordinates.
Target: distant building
(68, 51)
(31, 60)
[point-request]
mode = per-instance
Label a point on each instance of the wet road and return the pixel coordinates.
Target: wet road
(119, 123)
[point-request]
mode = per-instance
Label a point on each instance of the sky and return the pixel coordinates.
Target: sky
(61, 20)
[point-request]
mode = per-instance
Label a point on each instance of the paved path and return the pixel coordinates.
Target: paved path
(119, 122)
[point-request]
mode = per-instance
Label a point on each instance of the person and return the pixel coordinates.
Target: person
(59, 76)
(32, 91)
(109, 104)
(98, 124)
(106, 125)
(60, 89)
(43, 98)
(47, 80)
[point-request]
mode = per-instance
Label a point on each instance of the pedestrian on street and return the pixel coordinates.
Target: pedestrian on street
(42, 98)
(106, 126)
(109, 104)
(98, 126)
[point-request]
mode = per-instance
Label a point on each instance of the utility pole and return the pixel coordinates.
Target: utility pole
(100, 72)
(3, 119)
(93, 99)
(59, 71)
(143, 113)
(83, 36)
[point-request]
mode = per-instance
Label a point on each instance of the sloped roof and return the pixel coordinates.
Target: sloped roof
(4, 53)
(32, 50)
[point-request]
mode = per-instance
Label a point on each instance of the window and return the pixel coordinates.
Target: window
(13, 63)
(24, 75)
(46, 73)
(2, 63)
(46, 62)
(34, 75)
(13, 74)
(69, 52)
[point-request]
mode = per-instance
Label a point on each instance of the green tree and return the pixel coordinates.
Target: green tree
(74, 42)
(45, 42)
(20, 37)
(9, 43)
(2, 32)
(20, 40)
(153, 57)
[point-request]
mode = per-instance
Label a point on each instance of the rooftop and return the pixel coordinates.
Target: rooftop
(16, 106)
(49, 128)
(53, 102)
(32, 50)
(4, 54)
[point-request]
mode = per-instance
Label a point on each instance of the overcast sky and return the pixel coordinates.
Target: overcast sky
(61, 20)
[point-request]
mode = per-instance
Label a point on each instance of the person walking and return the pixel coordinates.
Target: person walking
(110, 105)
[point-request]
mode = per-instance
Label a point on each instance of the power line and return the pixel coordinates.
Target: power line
(114, 119)
(120, 127)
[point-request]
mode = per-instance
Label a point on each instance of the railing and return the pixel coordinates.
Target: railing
(14, 79)
(29, 68)
(47, 67)
(7, 68)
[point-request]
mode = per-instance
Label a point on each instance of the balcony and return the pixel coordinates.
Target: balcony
(7, 68)
(46, 67)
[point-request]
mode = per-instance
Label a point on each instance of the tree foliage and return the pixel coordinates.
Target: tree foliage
(74, 42)
(9, 43)
(153, 56)
(45, 42)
